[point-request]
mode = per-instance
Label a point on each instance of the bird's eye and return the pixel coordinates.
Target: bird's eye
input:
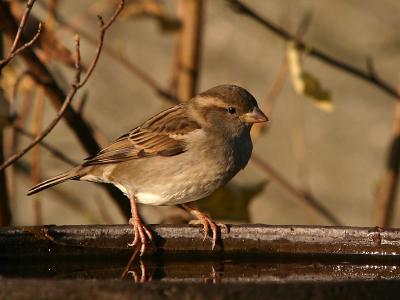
(231, 110)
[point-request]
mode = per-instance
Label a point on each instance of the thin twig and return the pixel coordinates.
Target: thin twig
(123, 60)
(103, 29)
(297, 131)
(118, 56)
(312, 51)
(14, 50)
(76, 85)
(26, 45)
(306, 197)
(53, 90)
(48, 129)
(54, 151)
(268, 102)
(279, 81)
(29, 6)
(99, 136)
(57, 96)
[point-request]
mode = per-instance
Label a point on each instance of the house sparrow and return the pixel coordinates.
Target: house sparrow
(178, 156)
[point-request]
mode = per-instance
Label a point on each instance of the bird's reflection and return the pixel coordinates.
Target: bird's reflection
(188, 267)
(138, 270)
(143, 274)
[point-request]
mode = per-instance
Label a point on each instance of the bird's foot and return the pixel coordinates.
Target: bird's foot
(214, 277)
(209, 225)
(143, 273)
(143, 235)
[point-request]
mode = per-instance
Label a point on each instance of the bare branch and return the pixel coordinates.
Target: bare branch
(14, 50)
(29, 6)
(81, 129)
(54, 91)
(26, 45)
(279, 80)
(73, 89)
(54, 151)
(103, 29)
(119, 57)
(267, 103)
(113, 17)
(77, 59)
(47, 130)
(312, 51)
(306, 197)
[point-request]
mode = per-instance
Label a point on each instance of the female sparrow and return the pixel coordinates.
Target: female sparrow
(178, 156)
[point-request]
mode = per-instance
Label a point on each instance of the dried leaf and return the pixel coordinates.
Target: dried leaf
(231, 202)
(306, 84)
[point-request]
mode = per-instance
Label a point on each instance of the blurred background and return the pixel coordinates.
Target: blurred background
(329, 154)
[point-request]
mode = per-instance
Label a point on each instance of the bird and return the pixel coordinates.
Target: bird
(176, 157)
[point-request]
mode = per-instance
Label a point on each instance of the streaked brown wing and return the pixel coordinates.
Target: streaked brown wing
(161, 135)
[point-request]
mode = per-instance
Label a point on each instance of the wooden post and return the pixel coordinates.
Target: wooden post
(5, 212)
(191, 15)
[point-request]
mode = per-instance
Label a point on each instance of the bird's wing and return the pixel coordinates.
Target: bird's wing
(162, 135)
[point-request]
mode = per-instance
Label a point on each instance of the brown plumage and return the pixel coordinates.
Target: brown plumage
(180, 155)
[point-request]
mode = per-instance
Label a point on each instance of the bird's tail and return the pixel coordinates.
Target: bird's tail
(71, 174)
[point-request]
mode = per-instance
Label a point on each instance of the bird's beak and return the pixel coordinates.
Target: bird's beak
(255, 116)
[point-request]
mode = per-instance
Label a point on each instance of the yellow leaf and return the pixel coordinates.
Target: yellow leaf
(306, 84)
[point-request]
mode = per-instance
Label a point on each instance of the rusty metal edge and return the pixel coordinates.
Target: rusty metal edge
(255, 239)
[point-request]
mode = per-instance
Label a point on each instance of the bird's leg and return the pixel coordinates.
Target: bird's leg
(143, 272)
(206, 221)
(142, 234)
(214, 276)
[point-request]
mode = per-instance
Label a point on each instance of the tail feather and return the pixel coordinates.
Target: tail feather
(53, 181)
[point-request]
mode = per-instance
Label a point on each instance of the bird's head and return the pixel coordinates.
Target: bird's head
(228, 108)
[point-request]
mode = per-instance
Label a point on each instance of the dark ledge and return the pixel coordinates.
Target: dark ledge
(252, 261)
(256, 239)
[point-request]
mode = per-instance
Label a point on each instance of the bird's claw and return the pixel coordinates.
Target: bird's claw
(224, 228)
(209, 224)
(143, 273)
(215, 277)
(142, 235)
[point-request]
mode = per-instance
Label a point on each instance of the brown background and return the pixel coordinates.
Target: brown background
(344, 150)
